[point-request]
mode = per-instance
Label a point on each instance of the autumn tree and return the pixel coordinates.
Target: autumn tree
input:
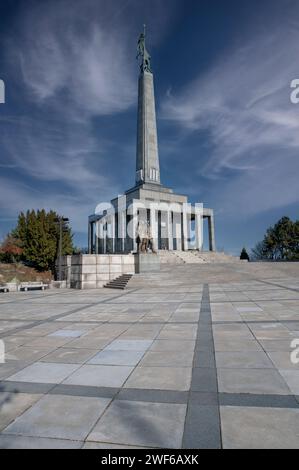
(10, 250)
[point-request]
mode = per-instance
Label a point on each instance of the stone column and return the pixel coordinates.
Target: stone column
(113, 232)
(89, 238)
(212, 244)
(198, 229)
(154, 226)
(92, 237)
(97, 237)
(104, 236)
(134, 226)
(170, 231)
(100, 236)
(186, 221)
(177, 228)
(122, 221)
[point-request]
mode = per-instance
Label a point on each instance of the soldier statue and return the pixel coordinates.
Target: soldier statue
(145, 65)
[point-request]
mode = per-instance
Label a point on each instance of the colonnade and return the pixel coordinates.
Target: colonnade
(115, 232)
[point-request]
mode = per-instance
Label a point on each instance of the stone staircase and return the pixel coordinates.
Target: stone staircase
(215, 257)
(119, 282)
(170, 257)
(190, 257)
(195, 257)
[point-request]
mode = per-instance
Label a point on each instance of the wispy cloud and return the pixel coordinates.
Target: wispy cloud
(243, 101)
(20, 197)
(72, 64)
(76, 51)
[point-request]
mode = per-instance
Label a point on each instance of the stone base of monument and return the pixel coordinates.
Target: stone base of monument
(94, 271)
(146, 263)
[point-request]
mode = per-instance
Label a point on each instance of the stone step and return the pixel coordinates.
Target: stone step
(119, 283)
(195, 257)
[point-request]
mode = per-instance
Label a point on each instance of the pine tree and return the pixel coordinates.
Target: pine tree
(244, 255)
(39, 234)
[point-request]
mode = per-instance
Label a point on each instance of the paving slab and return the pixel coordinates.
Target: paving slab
(49, 342)
(24, 442)
(259, 428)
(87, 342)
(117, 358)
(43, 372)
(167, 358)
(69, 356)
(258, 381)
(160, 378)
(68, 333)
(270, 345)
(14, 404)
(237, 345)
(243, 360)
(25, 353)
(178, 332)
(129, 345)
(100, 446)
(141, 424)
(282, 360)
(204, 379)
(202, 427)
(100, 376)
(292, 379)
(173, 345)
(60, 417)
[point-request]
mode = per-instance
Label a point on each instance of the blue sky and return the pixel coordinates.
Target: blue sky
(228, 133)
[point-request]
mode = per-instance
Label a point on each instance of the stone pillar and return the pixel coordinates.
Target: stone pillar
(104, 236)
(212, 244)
(198, 228)
(154, 226)
(89, 237)
(113, 232)
(177, 226)
(100, 236)
(92, 237)
(134, 227)
(122, 217)
(97, 237)
(185, 221)
(170, 231)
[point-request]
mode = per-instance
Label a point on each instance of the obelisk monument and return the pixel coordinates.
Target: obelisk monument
(147, 158)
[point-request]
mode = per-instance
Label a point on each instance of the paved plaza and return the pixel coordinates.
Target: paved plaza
(196, 356)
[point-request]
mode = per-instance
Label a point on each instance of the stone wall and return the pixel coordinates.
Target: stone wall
(94, 271)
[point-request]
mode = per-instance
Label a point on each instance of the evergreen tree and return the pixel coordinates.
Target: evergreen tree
(39, 232)
(280, 242)
(244, 255)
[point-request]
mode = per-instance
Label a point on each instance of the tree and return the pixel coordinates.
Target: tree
(244, 255)
(38, 233)
(258, 252)
(10, 250)
(280, 242)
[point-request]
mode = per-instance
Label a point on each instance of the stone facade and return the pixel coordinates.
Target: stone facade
(94, 271)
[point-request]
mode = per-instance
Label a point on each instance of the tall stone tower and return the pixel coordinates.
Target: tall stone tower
(147, 156)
